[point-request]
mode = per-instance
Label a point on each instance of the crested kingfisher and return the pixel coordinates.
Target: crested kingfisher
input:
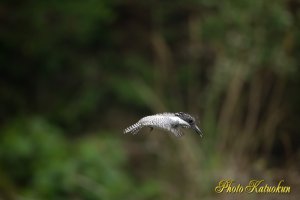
(172, 122)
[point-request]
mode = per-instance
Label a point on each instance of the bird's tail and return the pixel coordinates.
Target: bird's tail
(133, 129)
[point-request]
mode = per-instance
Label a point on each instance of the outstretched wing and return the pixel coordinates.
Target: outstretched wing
(177, 132)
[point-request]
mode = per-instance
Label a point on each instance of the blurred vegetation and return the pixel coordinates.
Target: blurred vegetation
(73, 75)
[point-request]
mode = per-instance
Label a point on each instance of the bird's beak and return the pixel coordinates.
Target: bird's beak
(197, 129)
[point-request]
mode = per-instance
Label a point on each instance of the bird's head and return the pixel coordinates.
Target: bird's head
(190, 120)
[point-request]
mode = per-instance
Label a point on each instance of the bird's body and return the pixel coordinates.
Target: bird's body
(172, 122)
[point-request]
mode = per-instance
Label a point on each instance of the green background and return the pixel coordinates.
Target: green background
(74, 74)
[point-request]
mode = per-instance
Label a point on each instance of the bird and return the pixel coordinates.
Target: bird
(171, 122)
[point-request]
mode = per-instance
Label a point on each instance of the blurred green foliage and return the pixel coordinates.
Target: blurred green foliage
(73, 74)
(35, 155)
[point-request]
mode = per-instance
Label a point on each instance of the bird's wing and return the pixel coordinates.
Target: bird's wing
(177, 132)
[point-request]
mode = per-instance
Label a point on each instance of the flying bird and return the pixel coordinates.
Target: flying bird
(172, 122)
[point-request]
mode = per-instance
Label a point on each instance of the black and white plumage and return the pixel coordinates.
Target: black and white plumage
(172, 122)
